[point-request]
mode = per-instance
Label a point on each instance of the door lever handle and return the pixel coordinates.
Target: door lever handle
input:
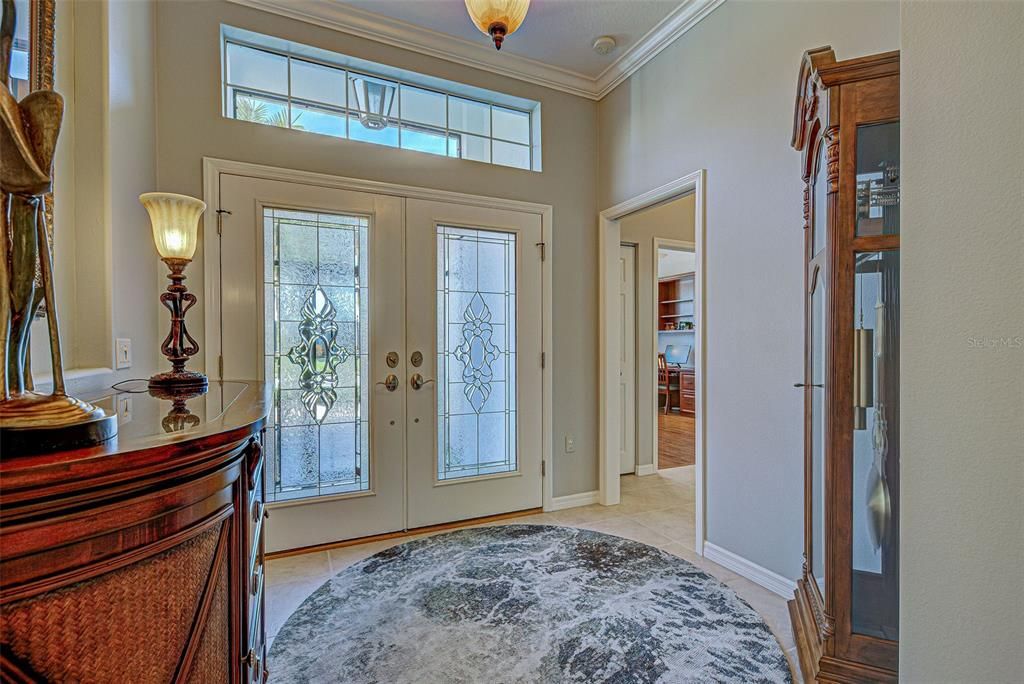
(390, 382)
(417, 381)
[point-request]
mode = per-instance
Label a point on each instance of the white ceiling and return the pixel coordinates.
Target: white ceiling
(553, 47)
(559, 33)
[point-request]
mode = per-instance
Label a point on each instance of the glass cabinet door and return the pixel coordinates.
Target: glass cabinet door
(876, 356)
(876, 445)
(816, 349)
(816, 394)
(878, 179)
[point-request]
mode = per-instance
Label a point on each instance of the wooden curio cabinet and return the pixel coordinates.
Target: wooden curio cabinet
(846, 609)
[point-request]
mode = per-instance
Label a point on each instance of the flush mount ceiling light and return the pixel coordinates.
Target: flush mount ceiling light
(497, 18)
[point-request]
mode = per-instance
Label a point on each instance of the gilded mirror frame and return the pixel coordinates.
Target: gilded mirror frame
(42, 24)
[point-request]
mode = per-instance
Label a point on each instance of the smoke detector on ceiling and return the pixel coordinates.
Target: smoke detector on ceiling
(604, 45)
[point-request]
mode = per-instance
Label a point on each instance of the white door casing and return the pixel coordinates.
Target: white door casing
(609, 239)
(627, 363)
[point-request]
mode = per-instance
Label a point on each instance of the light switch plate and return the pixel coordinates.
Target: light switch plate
(122, 353)
(570, 444)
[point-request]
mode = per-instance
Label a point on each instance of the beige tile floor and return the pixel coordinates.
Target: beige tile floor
(655, 509)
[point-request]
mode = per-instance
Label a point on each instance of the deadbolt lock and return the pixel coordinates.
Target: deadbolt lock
(416, 359)
(392, 359)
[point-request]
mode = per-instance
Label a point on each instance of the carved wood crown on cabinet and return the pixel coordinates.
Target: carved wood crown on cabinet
(140, 561)
(834, 101)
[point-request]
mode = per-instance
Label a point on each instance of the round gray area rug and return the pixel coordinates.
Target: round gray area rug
(525, 603)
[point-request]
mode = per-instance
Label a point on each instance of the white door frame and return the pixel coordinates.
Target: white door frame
(681, 245)
(213, 167)
(609, 238)
(636, 375)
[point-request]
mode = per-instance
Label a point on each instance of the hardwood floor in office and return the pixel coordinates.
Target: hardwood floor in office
(675, 440)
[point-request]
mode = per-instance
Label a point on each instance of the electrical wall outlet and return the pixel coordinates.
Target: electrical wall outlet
(123, 353)
(570, 444)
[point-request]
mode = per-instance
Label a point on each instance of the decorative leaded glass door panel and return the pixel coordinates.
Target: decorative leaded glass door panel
(474, 327)
(312, 302)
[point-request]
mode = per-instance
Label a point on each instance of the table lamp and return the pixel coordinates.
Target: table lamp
(175, 220)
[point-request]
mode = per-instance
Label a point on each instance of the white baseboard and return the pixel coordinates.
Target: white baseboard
(771, 581)
(646, 469)
(573, 500)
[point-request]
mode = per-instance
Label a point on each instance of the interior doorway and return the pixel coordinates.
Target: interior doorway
(673, 218)
(675, 305)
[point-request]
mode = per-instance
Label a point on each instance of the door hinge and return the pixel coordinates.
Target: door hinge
(543, 250)
(543, 468)
(220, 220)
(220, 367)
(543, 359)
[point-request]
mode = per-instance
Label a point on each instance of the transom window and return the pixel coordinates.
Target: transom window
(305, 92)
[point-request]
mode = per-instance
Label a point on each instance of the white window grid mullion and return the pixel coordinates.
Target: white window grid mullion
(448, 129)
(448, 126)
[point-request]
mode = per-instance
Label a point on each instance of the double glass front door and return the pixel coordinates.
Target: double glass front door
(402, 341)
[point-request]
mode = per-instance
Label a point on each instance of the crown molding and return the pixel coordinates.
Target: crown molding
(664, 33)
(372, 26)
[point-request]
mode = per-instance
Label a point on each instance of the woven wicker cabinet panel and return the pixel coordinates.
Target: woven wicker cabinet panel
(67, 635)
(130, 563)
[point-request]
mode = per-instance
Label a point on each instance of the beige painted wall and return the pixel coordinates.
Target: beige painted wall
(673, 220)
(962, 380)
(191, 127)
(721, 98)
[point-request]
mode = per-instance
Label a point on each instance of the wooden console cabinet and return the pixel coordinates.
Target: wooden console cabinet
(141, 560)
(846, 126)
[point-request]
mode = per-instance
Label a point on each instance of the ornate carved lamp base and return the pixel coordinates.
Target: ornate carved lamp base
(178, 346)
(33, 423)
(179, 382)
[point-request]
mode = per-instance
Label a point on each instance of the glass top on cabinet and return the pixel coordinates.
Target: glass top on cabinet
(141, 414)
(878, 179)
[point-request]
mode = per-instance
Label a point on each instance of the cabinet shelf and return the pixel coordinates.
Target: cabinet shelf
(676, 301)
(677, 316)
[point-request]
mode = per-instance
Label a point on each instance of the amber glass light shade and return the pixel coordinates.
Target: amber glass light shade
(175, 220)
(497, 18)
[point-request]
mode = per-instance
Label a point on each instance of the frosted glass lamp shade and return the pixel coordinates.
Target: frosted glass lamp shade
(497, 18)
(175, 220)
